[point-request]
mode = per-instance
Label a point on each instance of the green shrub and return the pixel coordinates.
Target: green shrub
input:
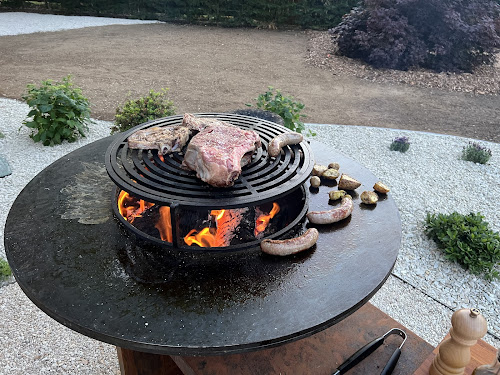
(146, 108)
(466, 239)
(284, 106)
(1, 135)
(476, 153)
(59, 111)
(5, 270)
(401, 144)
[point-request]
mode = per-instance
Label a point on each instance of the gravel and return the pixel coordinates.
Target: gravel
(15, 23)
(422, 294)
(430, 177)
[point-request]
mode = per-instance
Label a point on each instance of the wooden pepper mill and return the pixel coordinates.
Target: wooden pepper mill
(492, 369)
(468, 326)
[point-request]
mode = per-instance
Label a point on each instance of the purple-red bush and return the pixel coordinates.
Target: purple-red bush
(443, 35)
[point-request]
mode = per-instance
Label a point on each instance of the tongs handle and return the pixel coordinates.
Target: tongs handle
(389, 367)
(361, 354)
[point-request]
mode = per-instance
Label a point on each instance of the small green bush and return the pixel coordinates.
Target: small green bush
(401, 144)
(1, 135)
(284, 106)
(59, 111)
(5, 270)
(466, 239)
(146, 108)
(476, 153)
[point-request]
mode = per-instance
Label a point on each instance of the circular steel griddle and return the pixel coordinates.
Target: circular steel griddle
(144, 175)
(78, 273)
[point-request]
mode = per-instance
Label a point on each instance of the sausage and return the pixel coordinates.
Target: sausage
(277, 143)
(291, 246)
(332, 216)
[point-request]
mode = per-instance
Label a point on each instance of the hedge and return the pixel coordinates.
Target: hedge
(310, 14)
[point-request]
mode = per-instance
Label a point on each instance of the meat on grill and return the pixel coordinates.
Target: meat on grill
(197, 124)
(169, 139)
(218, 152)
(165, 139)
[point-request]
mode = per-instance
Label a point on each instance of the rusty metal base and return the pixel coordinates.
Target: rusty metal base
(318, 354)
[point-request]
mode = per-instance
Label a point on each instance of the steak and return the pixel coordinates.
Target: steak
(197, 124)
(169, 139)
(218, 152)
(165, 139)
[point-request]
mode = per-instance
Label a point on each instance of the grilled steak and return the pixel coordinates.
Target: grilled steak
(165, 139)
(216, 153)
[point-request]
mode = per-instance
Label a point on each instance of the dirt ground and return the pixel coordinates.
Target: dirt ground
(217, 70)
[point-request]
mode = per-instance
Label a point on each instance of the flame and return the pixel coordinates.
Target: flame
(220, 234)
(164, 224)
(218, 214)
(207, 237)
(203, 238)
(263, 220)
(131, 207)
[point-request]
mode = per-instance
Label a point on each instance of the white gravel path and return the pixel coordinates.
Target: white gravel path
(422, 295)
(14, 23)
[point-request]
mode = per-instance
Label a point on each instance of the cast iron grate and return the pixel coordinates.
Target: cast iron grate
(144, 175)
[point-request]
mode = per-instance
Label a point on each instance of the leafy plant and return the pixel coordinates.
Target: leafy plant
(284, 106)
(441, 35)
(401, 144)
(5, 270)
(134, 112)
(476, 153)
(1, 135)
(59, 112)
(466, 239)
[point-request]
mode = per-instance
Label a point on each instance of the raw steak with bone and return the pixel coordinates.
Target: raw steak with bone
(216, 152)
(169, 139)
(166, 140)
(219, 151)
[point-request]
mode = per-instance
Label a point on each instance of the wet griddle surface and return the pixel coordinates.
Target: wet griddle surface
(73, 260)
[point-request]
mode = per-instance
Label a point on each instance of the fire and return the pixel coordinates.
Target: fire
(164, 224)
(131, 207)
(207, 237)
(203, 238)
(263, 220)
(223, 225)
(219, 234)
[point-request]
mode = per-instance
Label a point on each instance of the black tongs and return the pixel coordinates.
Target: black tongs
(368, 349)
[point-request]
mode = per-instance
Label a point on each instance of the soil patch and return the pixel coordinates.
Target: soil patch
(216, 70)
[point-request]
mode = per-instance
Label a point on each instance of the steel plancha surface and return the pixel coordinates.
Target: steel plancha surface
(97, 279)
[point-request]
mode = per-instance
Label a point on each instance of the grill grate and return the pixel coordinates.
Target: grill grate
(144, 175)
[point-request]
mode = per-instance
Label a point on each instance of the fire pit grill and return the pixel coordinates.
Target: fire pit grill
(145, 175)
